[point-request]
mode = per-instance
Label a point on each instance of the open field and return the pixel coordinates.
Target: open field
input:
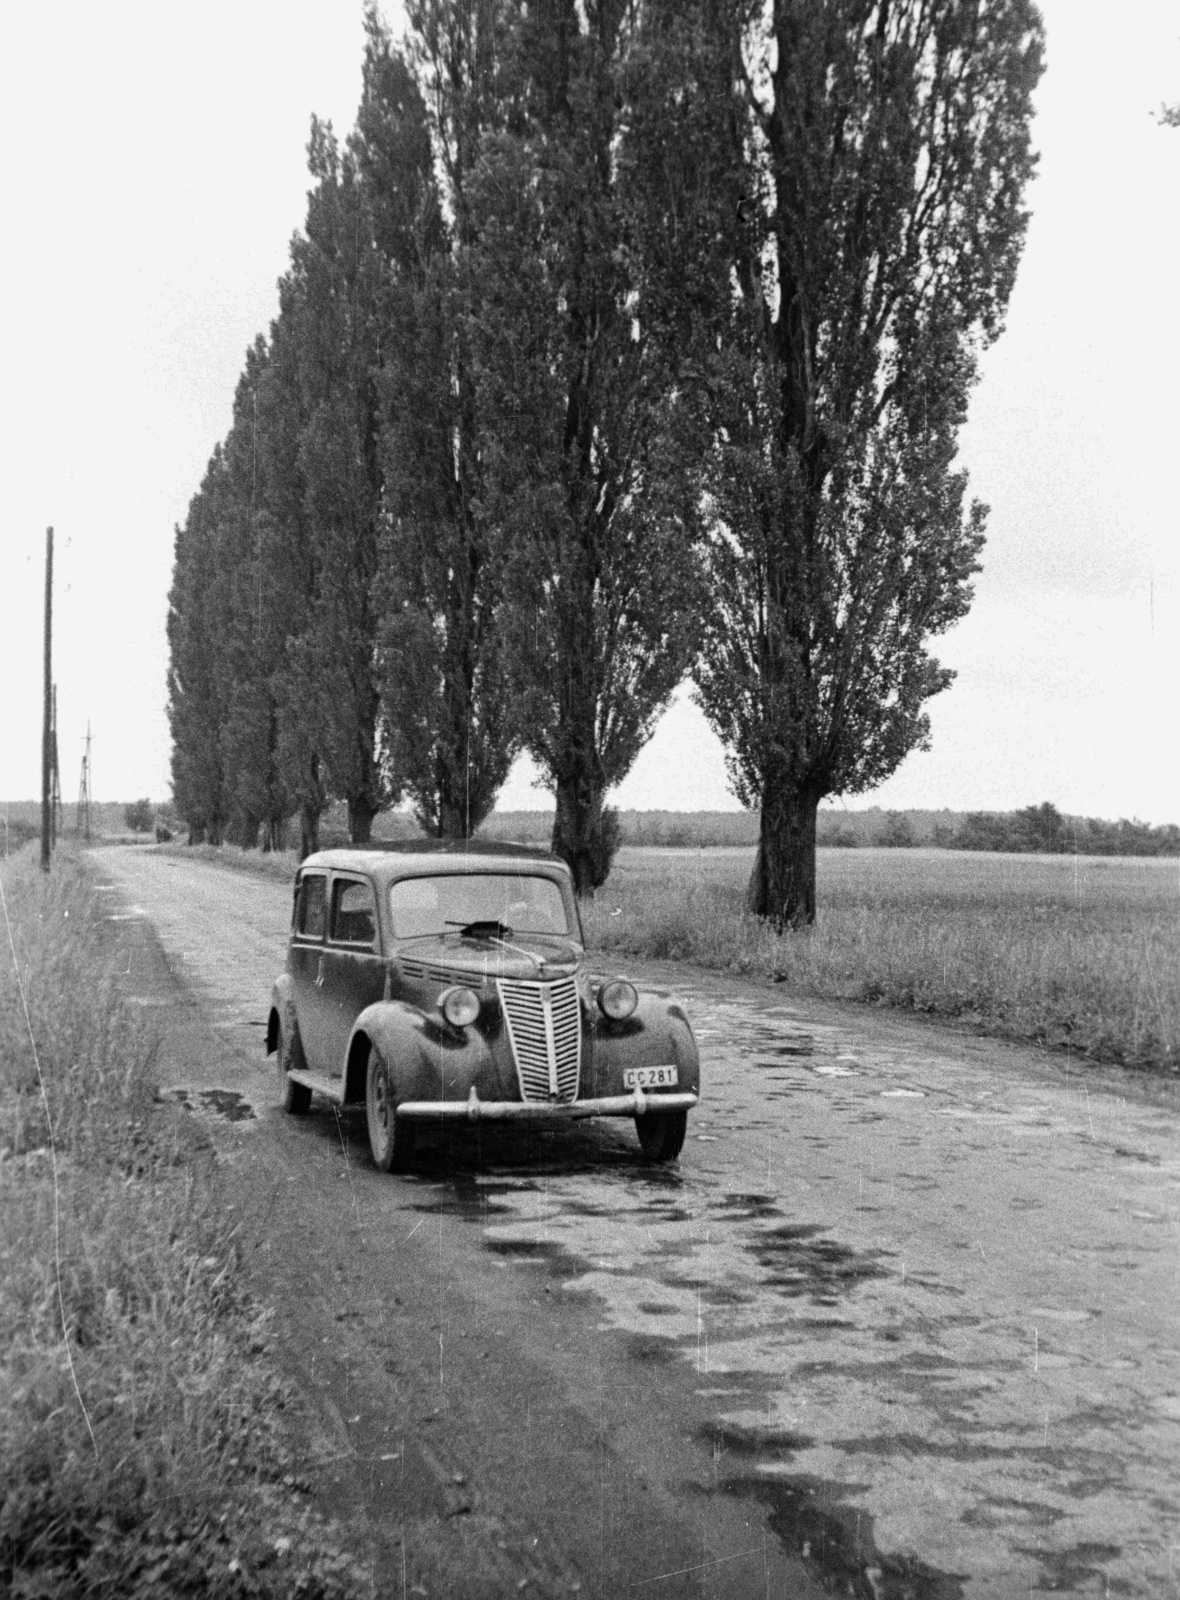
(146, 1455)
(1075, 952)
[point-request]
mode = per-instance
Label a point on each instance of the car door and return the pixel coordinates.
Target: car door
(354, 971)
(307, 963)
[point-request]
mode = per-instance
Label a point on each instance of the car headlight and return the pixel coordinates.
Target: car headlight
(618, 999)
(459, 1006)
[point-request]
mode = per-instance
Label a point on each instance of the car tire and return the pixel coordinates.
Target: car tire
(661, 1134)
(391, 1139)
(293, 1097)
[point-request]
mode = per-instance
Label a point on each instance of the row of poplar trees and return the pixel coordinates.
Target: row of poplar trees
(625, 341)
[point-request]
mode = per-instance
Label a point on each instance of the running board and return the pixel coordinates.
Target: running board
(331, 1088)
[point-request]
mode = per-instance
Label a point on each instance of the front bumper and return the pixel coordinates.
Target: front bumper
(636, 1103)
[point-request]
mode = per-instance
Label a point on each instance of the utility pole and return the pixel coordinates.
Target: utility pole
(54, 780)
(47, 708)
(84, 791)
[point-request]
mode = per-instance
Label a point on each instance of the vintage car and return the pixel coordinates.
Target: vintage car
(450, 985)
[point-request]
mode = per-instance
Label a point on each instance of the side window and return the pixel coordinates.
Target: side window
(309, 906)
(353, 921)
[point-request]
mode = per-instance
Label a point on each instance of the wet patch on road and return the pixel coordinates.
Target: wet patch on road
(1005, 1512)
(776, 1042)
(1079, 1569)
(747, 1207)
(653, 1347)
(1145, 1156)
(767, 1444)
(225, 1103)
(799, 1259)
(475, 1202)
(813, 1519)
(524, 1249)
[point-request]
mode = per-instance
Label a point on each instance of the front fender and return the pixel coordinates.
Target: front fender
(427, 1059)
(282, 1011)
(656, 1034)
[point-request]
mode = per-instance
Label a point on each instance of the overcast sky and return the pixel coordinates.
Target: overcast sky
(155, 176)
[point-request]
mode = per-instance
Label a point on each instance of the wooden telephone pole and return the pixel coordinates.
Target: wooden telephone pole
(84, 792)
(47, 763)
(54, 779)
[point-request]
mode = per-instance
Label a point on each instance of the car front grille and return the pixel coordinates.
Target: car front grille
(545, 1028)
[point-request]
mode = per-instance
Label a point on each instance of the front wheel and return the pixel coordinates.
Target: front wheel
(661, 1134)
(293, 1097)
(390, 1138)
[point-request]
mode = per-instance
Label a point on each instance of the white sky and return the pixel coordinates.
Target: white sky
(155, 175)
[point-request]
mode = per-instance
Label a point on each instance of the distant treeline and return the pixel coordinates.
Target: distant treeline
(1035, 829)
(1043, 828)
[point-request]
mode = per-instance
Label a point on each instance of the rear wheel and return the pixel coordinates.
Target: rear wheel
(293, 1097)
(661, 1134)
(390, 1138)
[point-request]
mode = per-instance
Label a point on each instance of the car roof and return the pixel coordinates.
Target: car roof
(429, 857)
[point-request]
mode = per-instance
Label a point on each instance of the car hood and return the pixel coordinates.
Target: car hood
(446, 959)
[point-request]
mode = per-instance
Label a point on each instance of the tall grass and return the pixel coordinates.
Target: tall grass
(1070, 951)
(141, 1435)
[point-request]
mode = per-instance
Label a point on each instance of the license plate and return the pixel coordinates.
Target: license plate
(650, 1078)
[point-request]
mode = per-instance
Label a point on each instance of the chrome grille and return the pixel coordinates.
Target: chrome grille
(545, 1029)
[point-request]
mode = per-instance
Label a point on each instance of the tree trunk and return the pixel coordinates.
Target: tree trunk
(782, 884)
(452, 819)
(309, 829)
(244, 831)
(274, 834)
(585, 833)
(311, 807)
(361, 812)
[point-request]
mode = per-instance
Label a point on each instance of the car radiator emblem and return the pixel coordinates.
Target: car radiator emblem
(545, 1029)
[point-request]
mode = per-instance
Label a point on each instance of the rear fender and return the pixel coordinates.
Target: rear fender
(427, 1058)
(656, 1034)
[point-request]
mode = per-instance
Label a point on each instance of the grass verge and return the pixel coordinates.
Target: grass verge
(1082, 953)
(146, 1441)
(274, 865)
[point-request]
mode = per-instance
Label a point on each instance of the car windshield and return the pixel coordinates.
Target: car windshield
(504, 903)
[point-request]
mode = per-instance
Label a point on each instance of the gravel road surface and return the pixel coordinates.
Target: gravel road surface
(905, 1321)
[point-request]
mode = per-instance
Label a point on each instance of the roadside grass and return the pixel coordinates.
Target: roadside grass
(148, 1453)
(274, 865)
(1076, 952)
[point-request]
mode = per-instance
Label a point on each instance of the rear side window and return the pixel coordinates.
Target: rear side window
(353, 921)
(309, 906)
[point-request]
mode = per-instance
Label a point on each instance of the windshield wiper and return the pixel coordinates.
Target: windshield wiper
(486, 929)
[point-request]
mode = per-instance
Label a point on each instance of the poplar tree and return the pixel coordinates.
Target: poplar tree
(445, 683)
(254, 560)
(197, 612)
(583, 257)
(882, 150)
(291, 557)
(335, 302)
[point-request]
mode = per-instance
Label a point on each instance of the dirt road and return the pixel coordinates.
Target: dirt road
(905, 1321)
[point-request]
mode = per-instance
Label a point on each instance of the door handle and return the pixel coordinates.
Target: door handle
(319, 976)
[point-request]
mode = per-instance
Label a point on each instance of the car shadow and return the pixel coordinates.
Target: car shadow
(593, 1146)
